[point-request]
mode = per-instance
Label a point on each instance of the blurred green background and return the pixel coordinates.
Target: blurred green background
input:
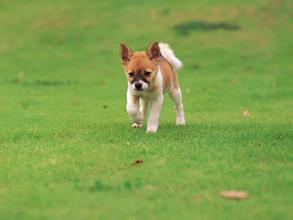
(65, 139)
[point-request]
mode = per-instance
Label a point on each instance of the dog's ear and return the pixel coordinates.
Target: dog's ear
(153, 51)
(125, 53)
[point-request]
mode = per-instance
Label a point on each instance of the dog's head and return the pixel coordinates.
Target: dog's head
(141, 67)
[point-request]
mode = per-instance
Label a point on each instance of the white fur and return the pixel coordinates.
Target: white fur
(132, 110)
(143, 106)
(156, 104)
(176, 97)
(169, 55)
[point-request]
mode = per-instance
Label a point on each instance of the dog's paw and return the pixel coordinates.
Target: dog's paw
(180, 120)
(136, 125)
(151, 130)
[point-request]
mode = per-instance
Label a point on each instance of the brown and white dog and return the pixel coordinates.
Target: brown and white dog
(150, 74)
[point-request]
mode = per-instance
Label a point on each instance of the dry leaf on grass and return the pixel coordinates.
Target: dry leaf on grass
(246, 113)
(136, 162)
(237, 195)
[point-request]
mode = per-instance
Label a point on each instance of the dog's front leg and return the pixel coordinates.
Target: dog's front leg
(143, 107)
(156, 105)
(132, 110)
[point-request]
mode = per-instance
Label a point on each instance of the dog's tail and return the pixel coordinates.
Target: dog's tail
(169, 55)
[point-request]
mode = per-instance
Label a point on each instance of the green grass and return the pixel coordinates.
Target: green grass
(66, 145)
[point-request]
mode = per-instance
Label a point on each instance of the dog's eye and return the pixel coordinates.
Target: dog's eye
(147, 73)
(131, 74)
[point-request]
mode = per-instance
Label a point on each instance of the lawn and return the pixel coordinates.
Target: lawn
(66, 143)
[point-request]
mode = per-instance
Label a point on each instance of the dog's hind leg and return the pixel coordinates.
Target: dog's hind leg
(176, 96)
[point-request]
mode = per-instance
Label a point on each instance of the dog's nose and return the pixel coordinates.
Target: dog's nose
(138, 85)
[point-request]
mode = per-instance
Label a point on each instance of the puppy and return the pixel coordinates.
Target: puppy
(150, 74)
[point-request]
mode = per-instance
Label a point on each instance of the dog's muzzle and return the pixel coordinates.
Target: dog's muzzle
(138, 85)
